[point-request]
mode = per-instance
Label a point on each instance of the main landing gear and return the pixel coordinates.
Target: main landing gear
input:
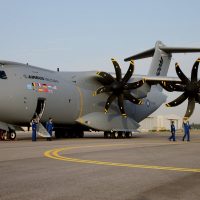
(117, 134)
(7, 135)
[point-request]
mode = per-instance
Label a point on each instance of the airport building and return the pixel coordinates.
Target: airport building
(160, 123)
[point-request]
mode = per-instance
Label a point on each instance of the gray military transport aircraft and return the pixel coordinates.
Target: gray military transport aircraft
(79, 101)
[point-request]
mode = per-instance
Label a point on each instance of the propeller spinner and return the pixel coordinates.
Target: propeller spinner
(119, 87)
(190, 88)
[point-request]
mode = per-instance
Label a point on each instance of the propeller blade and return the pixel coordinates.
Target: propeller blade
(179, 87)
(129, 73)
(197, 98)
(110, 99)
(132, 99)
(102, 90)
(180, 74)
(178, 100)
(190, 107)
(121, 105)
(131, 86)
(167, 86)
(194, 75)
(107, 78)
(170, 86)
(117, 69)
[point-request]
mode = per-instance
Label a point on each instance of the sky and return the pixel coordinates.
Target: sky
(84, 35)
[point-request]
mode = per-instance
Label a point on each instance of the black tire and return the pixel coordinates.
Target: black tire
(116, 135)
(81, 134)
(106, 134)
(128, 134)
(123, 134)
(12, 135)
(5, 135)
(1, 134)
(109, 134)
(112, 135)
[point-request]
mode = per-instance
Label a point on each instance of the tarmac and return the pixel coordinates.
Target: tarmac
(145, 167)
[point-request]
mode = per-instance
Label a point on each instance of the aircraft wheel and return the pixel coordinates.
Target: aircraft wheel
(116, 135)
(1, 135)
(105, 134)
(128, 134)
(81, 134)
(12, 135)
(5, 135)
(109, 134)
(123, 134)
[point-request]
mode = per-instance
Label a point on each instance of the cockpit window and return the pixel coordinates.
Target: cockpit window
(3, 75)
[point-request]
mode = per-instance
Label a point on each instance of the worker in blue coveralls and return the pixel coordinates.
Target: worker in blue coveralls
(173, 132)
(49, 127)
(186, 128)
(34, 129)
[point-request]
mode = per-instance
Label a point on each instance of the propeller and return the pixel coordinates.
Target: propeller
(189, 87)
(119, 87)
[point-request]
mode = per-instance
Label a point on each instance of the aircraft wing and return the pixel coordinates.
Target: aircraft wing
(161, 78)
(157, 79)
(168, 83)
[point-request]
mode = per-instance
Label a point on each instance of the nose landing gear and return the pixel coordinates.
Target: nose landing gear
(7, 135)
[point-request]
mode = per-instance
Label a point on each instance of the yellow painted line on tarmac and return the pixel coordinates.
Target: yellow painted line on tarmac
(55, 154)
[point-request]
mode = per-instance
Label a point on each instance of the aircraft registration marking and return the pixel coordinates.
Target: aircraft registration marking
(55, 154)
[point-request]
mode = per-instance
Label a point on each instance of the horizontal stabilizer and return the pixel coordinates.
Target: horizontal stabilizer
(144, 54)
(150, 52)
(179, 50)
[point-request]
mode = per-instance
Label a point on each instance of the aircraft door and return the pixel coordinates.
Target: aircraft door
(40, 108)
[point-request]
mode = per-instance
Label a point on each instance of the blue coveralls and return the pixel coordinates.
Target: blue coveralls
(49, 127)
(34, 130)
(186, 128)
(173, 131)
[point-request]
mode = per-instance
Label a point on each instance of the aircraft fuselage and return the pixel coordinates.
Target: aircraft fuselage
(63, 96)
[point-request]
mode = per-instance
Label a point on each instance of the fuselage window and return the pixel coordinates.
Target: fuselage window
(3, 75)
